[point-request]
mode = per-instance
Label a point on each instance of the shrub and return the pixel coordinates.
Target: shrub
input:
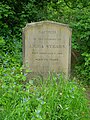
(82, 71)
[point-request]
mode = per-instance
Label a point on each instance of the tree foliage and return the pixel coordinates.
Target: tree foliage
(15, 14)
(77, 3)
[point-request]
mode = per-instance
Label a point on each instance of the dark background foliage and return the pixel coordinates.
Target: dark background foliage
(15, 14)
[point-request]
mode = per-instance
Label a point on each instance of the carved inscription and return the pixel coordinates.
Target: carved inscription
(46, 59)
(45, 53)
(52, 39)
(48, 32)
(47, 47)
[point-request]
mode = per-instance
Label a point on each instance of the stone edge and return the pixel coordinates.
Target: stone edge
(48, 22)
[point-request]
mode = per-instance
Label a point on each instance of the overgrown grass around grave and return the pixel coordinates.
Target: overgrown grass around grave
(51, 99)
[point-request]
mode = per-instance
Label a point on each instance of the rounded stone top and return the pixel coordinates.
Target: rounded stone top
(46, 22)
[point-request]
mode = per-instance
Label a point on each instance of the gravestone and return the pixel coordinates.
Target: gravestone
(47, 47)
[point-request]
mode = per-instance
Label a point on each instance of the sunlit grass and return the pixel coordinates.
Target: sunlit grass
(54, 98)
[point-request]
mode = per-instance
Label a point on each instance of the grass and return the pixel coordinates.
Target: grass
(52, 99)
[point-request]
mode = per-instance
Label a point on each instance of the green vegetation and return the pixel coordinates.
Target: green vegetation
(15, 14)
(54, 98)
(51, 99)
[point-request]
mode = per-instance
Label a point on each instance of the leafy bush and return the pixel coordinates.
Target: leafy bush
(83, 71)
(51, 99)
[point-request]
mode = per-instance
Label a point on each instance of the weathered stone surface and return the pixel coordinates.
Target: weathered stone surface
(47, 47)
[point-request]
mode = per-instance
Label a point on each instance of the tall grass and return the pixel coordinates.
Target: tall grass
(52, 99)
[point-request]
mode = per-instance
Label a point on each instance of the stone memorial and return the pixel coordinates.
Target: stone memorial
(47, 47)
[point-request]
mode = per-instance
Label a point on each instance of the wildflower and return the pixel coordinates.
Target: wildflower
(72, 90)
(15, 83)
(25, 100)
(5, 74)
(42, 102)
(25, 74)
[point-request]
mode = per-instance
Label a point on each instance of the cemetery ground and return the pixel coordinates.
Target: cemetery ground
(54, 98)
